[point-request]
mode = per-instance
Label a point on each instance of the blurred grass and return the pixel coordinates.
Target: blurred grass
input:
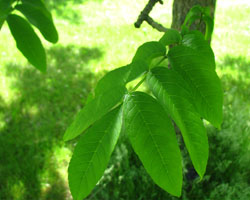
(97, 36)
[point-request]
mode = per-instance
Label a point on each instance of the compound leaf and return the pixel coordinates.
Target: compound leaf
(174, 95)
(40, 17)
(202, 78)
(153, 138)
(27, 41)
(92, 153)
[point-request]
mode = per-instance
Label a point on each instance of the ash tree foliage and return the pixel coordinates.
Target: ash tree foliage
(20, 16)
(185, 89)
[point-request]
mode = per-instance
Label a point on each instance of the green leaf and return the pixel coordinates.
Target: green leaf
(153, 138)
(27, 41)
(92, 153)
(5, 9)
(120, 76)
(148, 51)
(196, 41)
(40, 18)
(173, 93)
(202, 78)
(171, 36)
(94, 110)
(194, 11)
(209, 26)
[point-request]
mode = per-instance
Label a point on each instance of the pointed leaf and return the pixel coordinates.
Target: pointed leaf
(120, 76)
(93, 111)
(40, 18)
(92, 153)
(27, 41)
(148, 51)
(174, 95)
(153, 139)
(196, 41)
(171, 36)
(205, 84)
(5, 8)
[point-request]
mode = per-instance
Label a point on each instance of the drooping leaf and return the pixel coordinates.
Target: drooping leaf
(171, 36)
(196, 41)
(202, 78)
(27, 41)
(94, 110)
(92, 153)
(152, 136)
(148, 51)
(39, 17)
(194, 11)
(174, 95)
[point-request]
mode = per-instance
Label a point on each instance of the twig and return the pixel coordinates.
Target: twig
(144, 16)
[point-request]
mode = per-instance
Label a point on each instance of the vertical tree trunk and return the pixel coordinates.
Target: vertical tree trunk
(181, 8)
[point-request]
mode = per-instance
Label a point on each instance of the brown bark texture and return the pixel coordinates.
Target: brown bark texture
(181, 8)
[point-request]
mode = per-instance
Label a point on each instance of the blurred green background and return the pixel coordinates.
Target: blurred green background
(97, 36)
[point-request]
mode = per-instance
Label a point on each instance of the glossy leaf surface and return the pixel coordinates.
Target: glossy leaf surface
(92, 153)
(153, 138)
(27, 41)
(173, 93)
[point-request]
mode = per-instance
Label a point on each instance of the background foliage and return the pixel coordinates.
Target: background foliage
(96, 36)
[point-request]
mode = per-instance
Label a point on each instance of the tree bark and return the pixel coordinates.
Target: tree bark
(181, 8)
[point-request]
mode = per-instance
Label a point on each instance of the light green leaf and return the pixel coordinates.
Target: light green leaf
(171, 36)
(174, 95)
(196, 41)
(202, 78)
(94, 110)
(194, 11)
(92, 153)
(40, 18)
(120, 76)
(27, 41)
(152, 136)
(148, 51)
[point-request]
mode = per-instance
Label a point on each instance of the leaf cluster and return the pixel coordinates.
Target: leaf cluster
(184, 91)
(33, 12)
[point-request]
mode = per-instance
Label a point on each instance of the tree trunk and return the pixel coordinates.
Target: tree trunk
(181, 8)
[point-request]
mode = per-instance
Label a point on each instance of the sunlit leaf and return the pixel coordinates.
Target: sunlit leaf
(152, 136)
(171, 36)
(92, 153)
(174, 95)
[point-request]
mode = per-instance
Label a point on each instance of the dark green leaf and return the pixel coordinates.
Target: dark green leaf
(5, 8)
(153, 139)
(27, 41)
(148, 51)
(94, 110)
(40, 18)
(92, 153)
(202, 78)
(171, 36)
(174, 95)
